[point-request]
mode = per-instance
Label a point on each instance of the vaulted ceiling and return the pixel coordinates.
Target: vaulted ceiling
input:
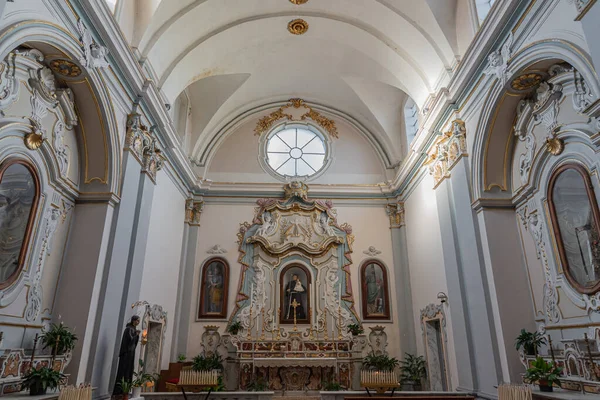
(361, 57)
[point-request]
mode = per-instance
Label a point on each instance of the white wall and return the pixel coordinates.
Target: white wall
(163, 253)
(426, 261)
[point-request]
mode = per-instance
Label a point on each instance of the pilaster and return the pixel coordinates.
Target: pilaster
(185, 298)
(468, 284)
(395, 212)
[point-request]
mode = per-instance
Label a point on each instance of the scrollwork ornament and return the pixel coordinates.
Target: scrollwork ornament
(592, 303)
(9, 85)
(34, 296)
(60, 149)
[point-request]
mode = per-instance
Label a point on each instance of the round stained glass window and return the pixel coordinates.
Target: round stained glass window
(296, 152)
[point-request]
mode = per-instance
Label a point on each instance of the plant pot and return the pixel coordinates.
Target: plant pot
(545, 386)
(136, 392)
(411, 386)
(125, 396)
(37, 390)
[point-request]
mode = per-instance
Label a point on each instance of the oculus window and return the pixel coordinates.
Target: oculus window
(296, 151)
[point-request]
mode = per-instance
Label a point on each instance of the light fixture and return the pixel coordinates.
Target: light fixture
(442, 297)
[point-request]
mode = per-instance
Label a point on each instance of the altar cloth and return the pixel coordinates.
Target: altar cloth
(295, 362)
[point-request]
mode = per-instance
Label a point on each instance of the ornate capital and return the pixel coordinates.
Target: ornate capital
(193, 211)
(395, 213)
(447, 151)
(143, 146)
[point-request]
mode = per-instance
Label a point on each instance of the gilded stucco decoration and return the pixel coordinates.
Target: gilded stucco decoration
(143, 145)
(298, 2)
(526, 81)
(555, 146)
(395, 213)
(193, 211)
(267, 122)
(447, 150)
(65, 68)
(298, 26)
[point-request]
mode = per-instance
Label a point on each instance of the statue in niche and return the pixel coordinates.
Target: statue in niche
(295, 289)
(269, 225)
(131, 337)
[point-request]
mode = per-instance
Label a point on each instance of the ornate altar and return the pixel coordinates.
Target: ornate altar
(294, 299)
(14, 364)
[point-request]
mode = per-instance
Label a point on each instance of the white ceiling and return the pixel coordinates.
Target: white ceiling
(361, 57)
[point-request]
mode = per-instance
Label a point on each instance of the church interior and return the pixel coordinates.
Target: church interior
(276, 199)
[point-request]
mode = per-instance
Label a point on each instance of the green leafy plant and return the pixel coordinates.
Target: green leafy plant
(413, 368)
(142, 378)
(126, 386)
(39, 380)
(544, 373)
(355, 329)
(530, 341)
(202, 363)
(380, 362)
(234, 327)
(257, 385)
(59, 338)
(332, 386)
(181, 358)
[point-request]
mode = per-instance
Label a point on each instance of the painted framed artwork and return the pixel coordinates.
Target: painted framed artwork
(294, 288)
(375, 291)
(214, 286)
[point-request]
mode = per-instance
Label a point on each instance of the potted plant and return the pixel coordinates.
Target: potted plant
(181, 358)
(544, 373)
(142, 379)
(413, 371)
(234, 327)
(125, 388)
(530, 342)
(59, 338)
(333, 386)
(39, 380)
(257, 385)
(355, 329)
(202, 363)
(380, 362)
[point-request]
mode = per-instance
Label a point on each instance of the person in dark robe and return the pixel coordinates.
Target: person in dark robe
(295, 290)
(130, 339)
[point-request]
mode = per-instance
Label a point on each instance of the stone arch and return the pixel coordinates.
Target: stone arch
(95, 98)
(500, 105)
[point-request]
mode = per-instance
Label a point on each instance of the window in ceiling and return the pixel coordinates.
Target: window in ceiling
(411, 119)
(483, 8)
(112, 5)
(296, 151)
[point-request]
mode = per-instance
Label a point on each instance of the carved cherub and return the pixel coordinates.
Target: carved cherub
(498, 61)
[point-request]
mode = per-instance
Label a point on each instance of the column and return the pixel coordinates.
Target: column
(185, 297)
(468, 287)
(508, 282)
(404, 306)
(588, 12)
(126, 253)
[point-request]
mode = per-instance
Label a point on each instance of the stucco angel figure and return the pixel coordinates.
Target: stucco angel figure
(268, 226)
(498, 61)
(322, 226)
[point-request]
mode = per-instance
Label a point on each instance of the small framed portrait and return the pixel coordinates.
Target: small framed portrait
(374, 291)
(214, 285)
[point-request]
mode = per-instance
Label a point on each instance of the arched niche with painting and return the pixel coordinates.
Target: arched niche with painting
(375, 293)
(575, 221)
(19, 197)
(214, 286)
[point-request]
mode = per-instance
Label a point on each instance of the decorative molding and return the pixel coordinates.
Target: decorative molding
(93, 54)
(582, 6)
(583, 96)
(143, 145)
(153, 159)
(193, 211)
(61, 150)
(526, 81)
(267, 122)
(298, 26)
(498, 61)
(65, 68)
(34, 295)
(395, 212)
(295, 189)
(378, 340)
(216, 249)
(9, 84)
(447, 150)
(298, 2)
(372, 251)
